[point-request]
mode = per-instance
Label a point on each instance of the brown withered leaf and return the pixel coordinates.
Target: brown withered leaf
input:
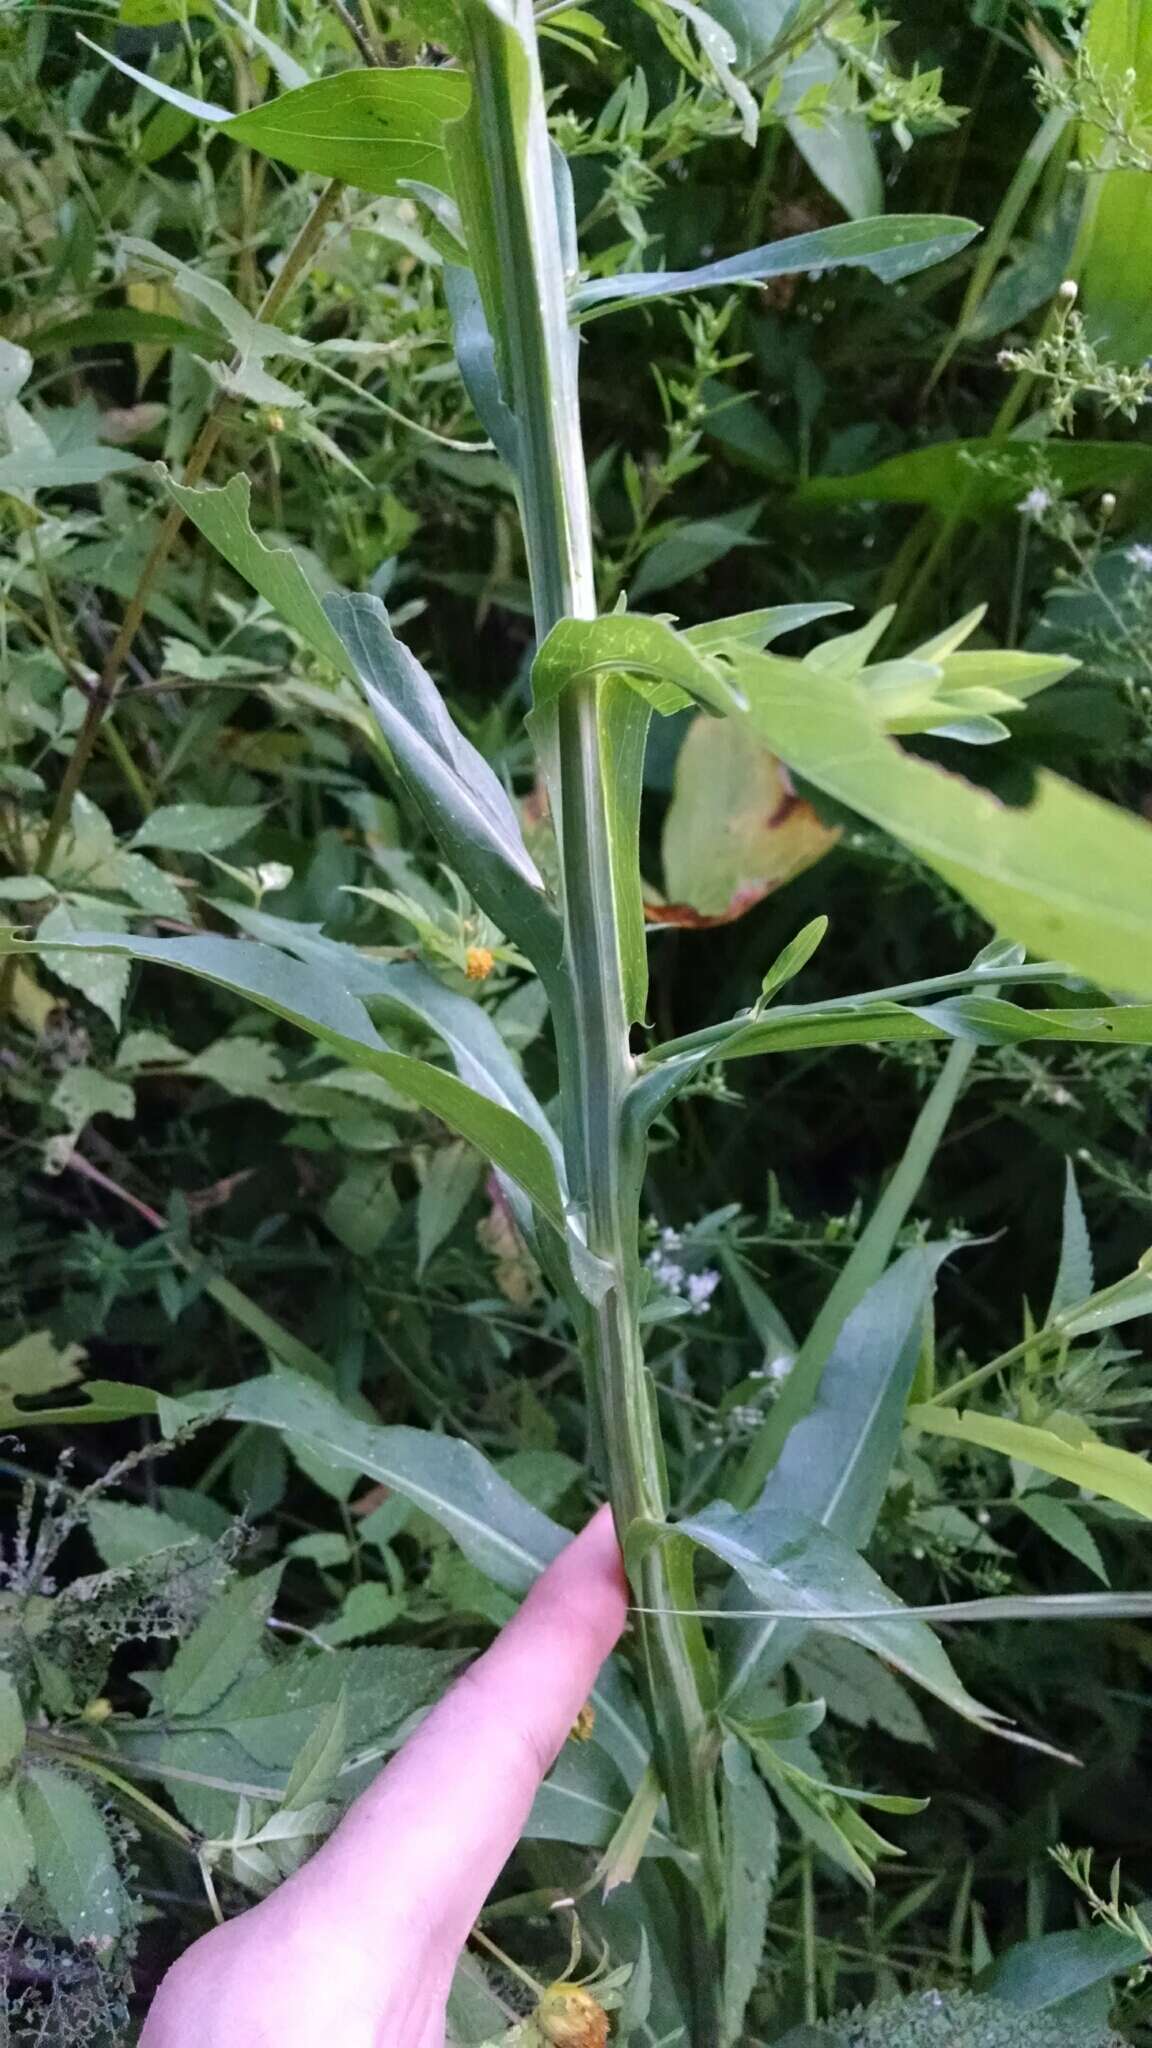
(735, 830)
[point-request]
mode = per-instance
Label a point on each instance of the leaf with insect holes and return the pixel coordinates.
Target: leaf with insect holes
(330, 1013)
(372, 129)
(75, 1864)
(892, 247)
(35, 1364)
(223, 517)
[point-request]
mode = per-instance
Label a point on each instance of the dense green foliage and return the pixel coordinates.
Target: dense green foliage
(934, 2019)
(196, 1190)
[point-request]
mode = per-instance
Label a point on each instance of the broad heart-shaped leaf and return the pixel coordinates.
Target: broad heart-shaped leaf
(321, 1006)
(372, 129)
(836, 1460)
(803, 1572)
(223, 517)
(1069, 1450)
(892, 247)
(464, 803)
(1068, 875)
(75, 1866)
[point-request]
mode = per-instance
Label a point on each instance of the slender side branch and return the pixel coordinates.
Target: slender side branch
(104, 695)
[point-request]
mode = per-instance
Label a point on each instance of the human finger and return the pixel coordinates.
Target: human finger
(437, 1826)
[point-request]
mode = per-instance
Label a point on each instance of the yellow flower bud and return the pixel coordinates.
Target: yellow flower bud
(569, 2017)
(478, 963)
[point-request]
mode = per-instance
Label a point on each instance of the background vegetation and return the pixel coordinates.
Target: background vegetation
(189, 1192)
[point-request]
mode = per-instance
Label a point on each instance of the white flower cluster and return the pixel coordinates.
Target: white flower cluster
(670, 1273)
(1140, 556)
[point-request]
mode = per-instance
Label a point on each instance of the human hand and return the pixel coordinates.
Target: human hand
(358, 1948)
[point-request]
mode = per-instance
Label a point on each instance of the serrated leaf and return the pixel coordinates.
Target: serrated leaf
(1059, 1521)
(16, 1850)
(314, 1773)
(274, 1715)
(750, 1854)
(214, 1655)
(102, 978)
(11, 1723)
(83, 1092)
(1076, 1276)
(242, 1066)
(75, 1865)
(126, 1531)
(198, 828)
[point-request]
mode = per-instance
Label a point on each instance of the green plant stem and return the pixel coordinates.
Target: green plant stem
(596, 1062)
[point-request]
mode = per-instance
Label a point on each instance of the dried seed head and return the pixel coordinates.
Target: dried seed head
(569, 2017)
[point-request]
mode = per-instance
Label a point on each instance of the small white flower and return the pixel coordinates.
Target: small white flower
(1035, 502)
(700, 1289)
(777, 1369)
(274, 875)
(1140, 557)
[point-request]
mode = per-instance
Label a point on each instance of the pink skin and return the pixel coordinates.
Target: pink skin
(359, 1947)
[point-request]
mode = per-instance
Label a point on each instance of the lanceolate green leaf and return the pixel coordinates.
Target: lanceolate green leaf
(836, 1460)
(892, 247)
(1068, 875)
(373, 129)
(464, 802)
(802, 1570)
(1068, 1449)
(321, 1006)
(479, 1054)
(751, 1851)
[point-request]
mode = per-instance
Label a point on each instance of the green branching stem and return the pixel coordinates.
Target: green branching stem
(605, 1163)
